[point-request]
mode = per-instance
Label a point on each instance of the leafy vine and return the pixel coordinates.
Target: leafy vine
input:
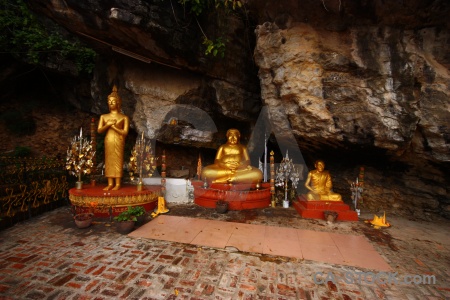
(26, 38)
(215, 47)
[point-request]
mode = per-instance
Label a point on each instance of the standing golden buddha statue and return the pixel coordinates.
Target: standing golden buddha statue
(320, 185)
(232, 163)
(116, 126)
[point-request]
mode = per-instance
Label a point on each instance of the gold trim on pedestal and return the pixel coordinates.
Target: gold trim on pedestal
(114, 200)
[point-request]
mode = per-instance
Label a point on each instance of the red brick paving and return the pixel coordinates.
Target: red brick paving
(49, 258)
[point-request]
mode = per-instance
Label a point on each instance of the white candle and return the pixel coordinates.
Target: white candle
(81, 135)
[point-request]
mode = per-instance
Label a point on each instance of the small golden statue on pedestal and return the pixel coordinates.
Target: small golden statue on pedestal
(232, 163)
(161, 207)
(116, 126)
(320, 185)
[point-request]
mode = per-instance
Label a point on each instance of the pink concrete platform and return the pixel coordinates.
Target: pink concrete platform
(319, 246)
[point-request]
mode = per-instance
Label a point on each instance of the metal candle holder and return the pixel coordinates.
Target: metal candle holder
(79, 158)
(142, 161)
(287, 171)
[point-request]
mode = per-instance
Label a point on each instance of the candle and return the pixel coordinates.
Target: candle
(265, 158)
(163, 166)
(272, 173)
(81, 135)
(94, 145)
(163, 174)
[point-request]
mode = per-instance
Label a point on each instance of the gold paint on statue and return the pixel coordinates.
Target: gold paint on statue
(319, 183)
(232, 163)
(80, 200)
(116, 126)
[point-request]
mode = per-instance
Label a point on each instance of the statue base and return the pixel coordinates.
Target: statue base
(238, 196)
(315, 209)
(111, 203)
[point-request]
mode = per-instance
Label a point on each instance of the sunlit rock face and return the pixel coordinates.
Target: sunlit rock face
(372, 86)
(369, 94)
(357, 83)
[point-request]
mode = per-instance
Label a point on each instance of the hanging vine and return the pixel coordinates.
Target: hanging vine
(27, 39)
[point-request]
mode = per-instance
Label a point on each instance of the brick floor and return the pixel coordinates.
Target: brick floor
(49, 258)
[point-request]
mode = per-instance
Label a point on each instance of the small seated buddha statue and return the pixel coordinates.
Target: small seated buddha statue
(232, 163)
(319, 184)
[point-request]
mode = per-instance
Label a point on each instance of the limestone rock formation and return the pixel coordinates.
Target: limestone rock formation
(372, 86)
(367, 86)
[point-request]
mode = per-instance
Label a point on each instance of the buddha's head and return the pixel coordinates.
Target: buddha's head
(233, 136)
(114, 100)
(320, 165)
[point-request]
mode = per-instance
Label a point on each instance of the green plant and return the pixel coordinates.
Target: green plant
(136, 210)
(125, 216)
(26, 38)
(197, 7)
(214, 48)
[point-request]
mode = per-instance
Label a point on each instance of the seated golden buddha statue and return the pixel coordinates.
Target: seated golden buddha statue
(232, 163)
(319, 183)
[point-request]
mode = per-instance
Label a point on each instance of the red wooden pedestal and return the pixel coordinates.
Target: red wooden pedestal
(103, 203)
(238, 196)
(315, 209)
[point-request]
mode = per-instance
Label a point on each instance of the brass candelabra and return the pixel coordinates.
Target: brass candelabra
(142, 161)
(79, 158)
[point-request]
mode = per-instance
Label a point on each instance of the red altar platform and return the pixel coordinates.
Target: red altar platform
(315, 209)
(106, 203)
(238, 196)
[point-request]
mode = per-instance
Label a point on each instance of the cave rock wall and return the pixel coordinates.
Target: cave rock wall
(379, 88)
(358, 82)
